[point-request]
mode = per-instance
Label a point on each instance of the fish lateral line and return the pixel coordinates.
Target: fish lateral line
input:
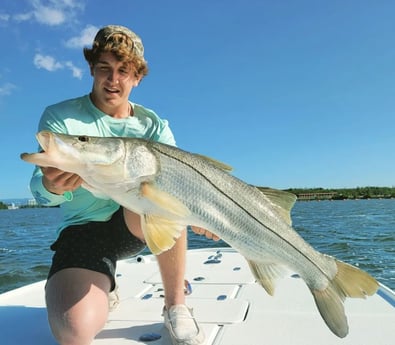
(156, 148)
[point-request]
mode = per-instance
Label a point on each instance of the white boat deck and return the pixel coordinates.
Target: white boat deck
(230, 306)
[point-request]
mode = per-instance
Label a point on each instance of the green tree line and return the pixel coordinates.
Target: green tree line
(343, 193)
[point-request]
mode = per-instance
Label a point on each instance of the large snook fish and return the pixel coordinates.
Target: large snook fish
(171, 188)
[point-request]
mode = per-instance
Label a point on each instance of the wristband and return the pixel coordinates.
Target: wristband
(68, 195)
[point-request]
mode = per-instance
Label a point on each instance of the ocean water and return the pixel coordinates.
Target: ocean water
(360, 232)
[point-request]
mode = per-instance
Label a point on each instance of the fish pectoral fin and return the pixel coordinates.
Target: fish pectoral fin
(283, 201)
(266, 274)
(349, 281)
(164, 200)
(160, 233)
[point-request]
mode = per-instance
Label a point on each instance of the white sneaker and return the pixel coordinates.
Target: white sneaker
(182, 326)
(113, 299)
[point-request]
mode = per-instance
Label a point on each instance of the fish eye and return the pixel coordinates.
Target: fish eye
(83, 138)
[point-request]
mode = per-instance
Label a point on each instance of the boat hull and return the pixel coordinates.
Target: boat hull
(231, 307)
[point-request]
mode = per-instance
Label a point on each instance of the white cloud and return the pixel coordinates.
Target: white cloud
(49, 16)
(50, 64)
(22, 17)
(4, 17)
(84, 39)
(77, 4)
(77, 72)
(51, 12)
(47, 62)
(6, 89)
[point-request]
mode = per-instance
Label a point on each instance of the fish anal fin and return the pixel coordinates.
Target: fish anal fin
(164, 200)
(349, 281)
(266, 274)
(160, 233)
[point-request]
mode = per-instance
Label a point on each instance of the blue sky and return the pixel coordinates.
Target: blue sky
(289, 93)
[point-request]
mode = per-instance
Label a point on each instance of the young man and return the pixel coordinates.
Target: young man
(95, 233)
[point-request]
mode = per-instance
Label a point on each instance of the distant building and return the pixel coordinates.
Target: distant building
(32, 202)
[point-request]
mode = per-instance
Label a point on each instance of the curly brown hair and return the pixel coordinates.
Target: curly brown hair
(123, 47)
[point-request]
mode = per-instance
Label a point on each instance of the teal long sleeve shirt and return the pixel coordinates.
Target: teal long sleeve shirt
(80, 117)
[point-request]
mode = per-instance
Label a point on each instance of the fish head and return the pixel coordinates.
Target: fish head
(75, 153)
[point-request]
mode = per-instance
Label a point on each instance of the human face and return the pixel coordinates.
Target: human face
(113, 82)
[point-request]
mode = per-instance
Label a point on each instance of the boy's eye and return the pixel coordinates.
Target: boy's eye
(102, 68)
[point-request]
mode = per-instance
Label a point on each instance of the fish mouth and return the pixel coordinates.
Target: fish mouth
(45, 139)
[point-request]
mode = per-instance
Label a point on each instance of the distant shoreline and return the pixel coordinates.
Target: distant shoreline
(311, 194)
(303, 194)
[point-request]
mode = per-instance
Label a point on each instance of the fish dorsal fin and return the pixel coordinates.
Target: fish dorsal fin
(283, 201)
(266, 274)
(160, 233)
(218, 164)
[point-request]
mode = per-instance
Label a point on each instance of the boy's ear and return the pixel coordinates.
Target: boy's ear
(138, 80)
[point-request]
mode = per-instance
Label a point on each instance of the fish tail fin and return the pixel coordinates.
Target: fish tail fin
(348, 282)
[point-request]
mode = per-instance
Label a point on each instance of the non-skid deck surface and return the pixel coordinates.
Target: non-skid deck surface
(230, 306)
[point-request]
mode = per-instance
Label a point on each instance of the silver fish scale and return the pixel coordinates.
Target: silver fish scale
(237, 212)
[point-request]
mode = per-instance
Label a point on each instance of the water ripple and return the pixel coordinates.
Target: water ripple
(360, 232)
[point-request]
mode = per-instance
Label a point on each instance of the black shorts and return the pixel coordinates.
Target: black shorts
(95, 246)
